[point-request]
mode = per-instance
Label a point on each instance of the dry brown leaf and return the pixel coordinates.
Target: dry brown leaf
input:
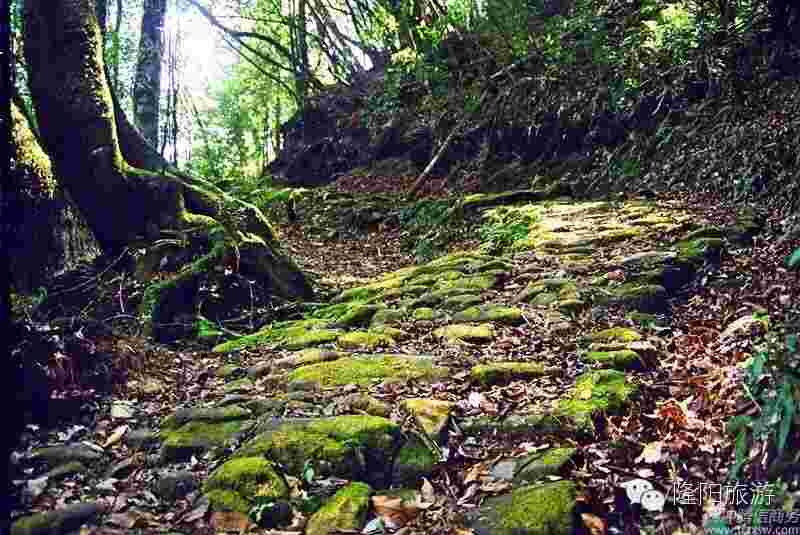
(394, 510)
(651, 453)
(427, 494)
(231, 522)
(595, 524)
(116, 436)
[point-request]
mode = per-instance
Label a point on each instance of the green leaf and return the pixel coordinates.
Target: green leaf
(308, 472)
(793, 262)
(787, 401)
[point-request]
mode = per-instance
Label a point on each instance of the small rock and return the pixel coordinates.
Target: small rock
(122, 409)
(66, 469)
(58, 522)
(347, 510)
(432, 415)
(56, 455)
(175, 485)
(259, 370)
(124, 468)
(140, 438)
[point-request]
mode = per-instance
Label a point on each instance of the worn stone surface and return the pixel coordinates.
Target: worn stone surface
(58, 522)
(544, 509)
(346, 510)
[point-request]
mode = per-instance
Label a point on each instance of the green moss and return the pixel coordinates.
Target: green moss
(388, 316)
(601, 390)
(461, 302)
(572, 306)
(618, 235)
(335, 445)
(222, 500)
(503, 372)
(276, 333)
(484, 281)
(544, 299)
(426, 314)
(622, 358)
(207, 415)
(346, 511)
(364, 339)
(545, 509)
(250, 477)
(430, 414)
(311, 338)
(197, 437)
(540, 465)
(468, 333)
(228, 370)
(365, 370)
(695, 251)
(357, 315)
(414, 461)
(510, 315)
(616, 334)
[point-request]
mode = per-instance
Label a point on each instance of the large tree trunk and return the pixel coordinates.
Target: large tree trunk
(125, 190)
(48, 235)
(147, 84)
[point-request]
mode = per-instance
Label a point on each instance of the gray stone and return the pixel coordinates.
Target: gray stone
(141, 438)
(56, 455)
(57, 522)
(175, 485)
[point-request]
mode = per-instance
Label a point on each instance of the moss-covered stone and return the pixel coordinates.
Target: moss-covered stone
(350, 446)
(483, 281)
(57, 455)
(413, 461)
(63, 520)
(207, 414)
(278, 333)
(195, 438)
(616, 334)
(503, 372)
(544, 299)
(228, 371)
(619, 359)
(571, 307)
(312, 355)
(696, 251)
(365, 404)
(596, 391)
(346, 511)
(426, 314)
(640, 296)
(466, 333)
(535, 466)
(509, 315)
(244, 384)
(431, 415)
(388, 316)
(461, 302)
(364, 370)
(545, 509)
(357, 315)
(222, 500)
(250, 478)
(364, 340)
(311, 338)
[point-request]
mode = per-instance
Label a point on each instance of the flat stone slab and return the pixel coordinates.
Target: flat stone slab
(364, 370)
(545, 509)
(352, 446)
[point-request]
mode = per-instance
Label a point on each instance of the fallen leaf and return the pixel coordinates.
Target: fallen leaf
(199, 511)
(116, 436)
(394, 510)
(595, 524)
(651, 453)
(230, 522)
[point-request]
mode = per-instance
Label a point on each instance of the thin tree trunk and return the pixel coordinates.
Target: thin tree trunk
(147, 84)
(117, 29)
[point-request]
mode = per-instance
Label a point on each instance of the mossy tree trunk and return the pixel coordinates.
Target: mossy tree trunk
(124, 189)
(48, 234)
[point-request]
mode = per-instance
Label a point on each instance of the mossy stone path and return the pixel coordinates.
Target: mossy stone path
(367, 369)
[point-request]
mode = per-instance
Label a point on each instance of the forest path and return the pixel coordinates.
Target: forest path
(492, 392)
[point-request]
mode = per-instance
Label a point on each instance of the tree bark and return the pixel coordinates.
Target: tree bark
(147, 84)
(48, 234)
(126, 191)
